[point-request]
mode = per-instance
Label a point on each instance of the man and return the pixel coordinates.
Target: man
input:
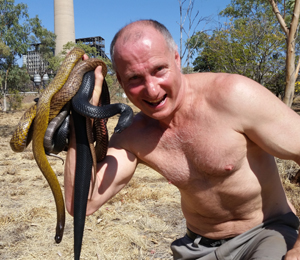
(214, 137)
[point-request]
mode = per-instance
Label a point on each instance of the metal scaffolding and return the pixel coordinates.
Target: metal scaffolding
(98, 42)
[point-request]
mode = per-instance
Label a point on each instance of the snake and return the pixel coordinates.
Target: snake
(57, 132)
(51, 102)
(61, 89)
(82, 109)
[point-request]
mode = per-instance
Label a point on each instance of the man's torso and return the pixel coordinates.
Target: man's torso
(227, 183)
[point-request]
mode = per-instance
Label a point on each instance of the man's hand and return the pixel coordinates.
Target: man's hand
(293, 254)
(70, 164)
(98, 83)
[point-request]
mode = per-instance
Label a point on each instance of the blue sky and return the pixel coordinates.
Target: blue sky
(104, 18)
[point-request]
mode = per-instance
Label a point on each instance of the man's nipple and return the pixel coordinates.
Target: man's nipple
(229, 167)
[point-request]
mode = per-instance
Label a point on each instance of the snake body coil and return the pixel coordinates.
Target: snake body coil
(60, 91)
(39, 128)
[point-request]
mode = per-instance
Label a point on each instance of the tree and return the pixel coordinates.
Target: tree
(286, 19)
(290, 32)
(248, 47)
(17, 33)
(252, 44)
(189, 30)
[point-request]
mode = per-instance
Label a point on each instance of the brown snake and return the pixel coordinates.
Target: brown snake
(62, 88)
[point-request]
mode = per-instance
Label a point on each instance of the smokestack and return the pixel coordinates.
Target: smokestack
(64, 27)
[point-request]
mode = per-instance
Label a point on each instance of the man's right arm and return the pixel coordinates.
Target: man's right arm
(113, 173)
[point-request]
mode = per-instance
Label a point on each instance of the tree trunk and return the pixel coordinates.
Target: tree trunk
(290, 33)
(5, 89)
(181, 26)
(290, 78)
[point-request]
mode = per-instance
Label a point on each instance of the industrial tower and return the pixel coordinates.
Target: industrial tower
(64, 27)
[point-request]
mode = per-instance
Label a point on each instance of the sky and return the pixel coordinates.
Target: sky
(104, 18)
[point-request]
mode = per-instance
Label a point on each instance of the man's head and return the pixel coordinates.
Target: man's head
(147, 66)
(137, 34)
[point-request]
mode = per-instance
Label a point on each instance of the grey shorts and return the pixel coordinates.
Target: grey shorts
(269, 240)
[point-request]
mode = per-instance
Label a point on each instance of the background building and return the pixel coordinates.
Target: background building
(34, 62)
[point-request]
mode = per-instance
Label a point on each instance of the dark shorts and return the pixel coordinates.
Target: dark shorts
(269, 240)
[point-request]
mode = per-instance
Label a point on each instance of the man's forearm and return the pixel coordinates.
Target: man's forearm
(69, 173)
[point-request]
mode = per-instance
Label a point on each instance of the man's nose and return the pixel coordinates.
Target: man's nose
(151, 87)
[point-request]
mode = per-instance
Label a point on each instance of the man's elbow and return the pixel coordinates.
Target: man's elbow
(89, 211)
(91, 208)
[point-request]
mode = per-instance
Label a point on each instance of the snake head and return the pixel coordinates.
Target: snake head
(125, 119)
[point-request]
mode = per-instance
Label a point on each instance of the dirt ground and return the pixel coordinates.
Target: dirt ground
(139, 223)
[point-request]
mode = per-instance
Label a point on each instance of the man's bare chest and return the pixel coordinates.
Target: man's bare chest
(193, 154)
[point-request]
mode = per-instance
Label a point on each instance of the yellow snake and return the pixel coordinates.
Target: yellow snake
(61, 89)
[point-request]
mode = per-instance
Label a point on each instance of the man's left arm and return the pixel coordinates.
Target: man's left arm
(268, 122)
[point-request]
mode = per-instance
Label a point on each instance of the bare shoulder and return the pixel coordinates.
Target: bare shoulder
(230, 87)
(234, 92)
(239, 99)
(132, 136)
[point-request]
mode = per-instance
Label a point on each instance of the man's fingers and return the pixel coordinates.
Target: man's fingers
(85, 57)
(98, 85)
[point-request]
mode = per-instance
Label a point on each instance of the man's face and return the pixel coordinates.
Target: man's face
(149, 74)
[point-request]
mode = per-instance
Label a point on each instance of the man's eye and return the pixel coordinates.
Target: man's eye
(134, 77)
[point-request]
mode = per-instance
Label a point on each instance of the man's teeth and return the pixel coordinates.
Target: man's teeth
(156, 102)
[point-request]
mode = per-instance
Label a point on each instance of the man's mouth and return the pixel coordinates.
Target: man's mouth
(156, 102)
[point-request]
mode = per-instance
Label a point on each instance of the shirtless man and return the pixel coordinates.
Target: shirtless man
(214, 137)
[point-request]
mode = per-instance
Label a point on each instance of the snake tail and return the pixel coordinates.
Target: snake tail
(82, 180)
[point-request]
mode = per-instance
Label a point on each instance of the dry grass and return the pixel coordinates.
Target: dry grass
(139, 223)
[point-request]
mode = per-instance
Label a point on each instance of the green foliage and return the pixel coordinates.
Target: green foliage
(15, 99)
(17, 79)
(90, 51)
(17, 33)
(297, 87)
(45, 38)
(4, 50)
(245, 9)
(14, 34)
(241, 9)
(250, 44)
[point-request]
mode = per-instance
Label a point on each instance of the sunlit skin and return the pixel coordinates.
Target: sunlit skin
(211, 135)
(150, 76)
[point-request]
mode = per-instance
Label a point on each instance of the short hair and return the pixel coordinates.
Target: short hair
(152, 23)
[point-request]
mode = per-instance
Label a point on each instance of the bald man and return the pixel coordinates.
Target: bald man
(212, 135)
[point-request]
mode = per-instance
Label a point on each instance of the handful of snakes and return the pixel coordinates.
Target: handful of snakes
(72, 87)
